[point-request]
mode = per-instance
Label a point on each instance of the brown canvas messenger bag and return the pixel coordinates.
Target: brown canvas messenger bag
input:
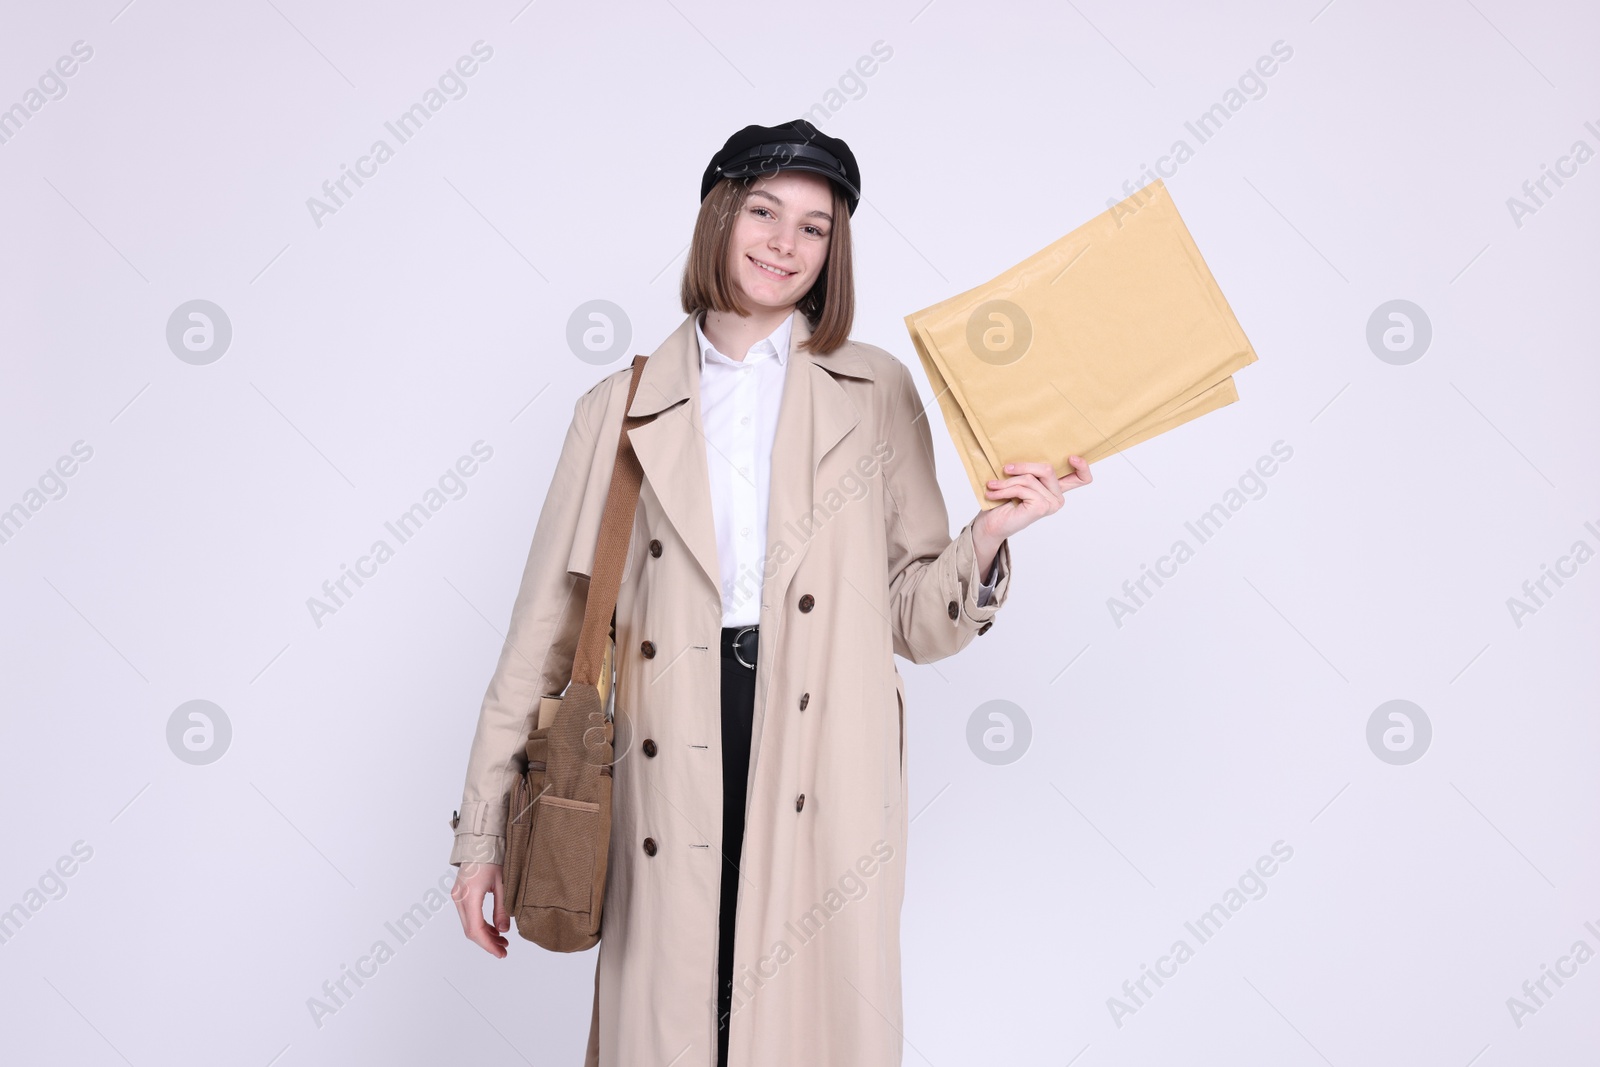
(558, 811)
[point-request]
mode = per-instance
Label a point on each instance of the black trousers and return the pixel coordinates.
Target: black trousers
(738, 709)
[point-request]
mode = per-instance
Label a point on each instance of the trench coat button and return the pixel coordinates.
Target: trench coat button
(649, 846)
(954, 609)
(805, 698)
(649, 649)
(455, 819)
(799, 802)
(649, 747)
(807, 602)
(984, 628)
(655, 547)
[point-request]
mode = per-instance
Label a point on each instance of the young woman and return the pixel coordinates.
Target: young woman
(790, 538)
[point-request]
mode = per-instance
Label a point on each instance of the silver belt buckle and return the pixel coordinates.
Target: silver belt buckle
(736, 653)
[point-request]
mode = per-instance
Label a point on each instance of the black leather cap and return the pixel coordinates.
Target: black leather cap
(761, 150)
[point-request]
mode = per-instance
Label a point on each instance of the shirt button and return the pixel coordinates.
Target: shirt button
(745, 421)
(649, 747)
(805, 698)
(655, 547)
(807, 602)
(649, 846)
(953, 609)
(745, 532)
(649, 649)
(799, 802)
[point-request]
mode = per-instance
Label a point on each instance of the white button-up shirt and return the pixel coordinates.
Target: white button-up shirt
(739, 403)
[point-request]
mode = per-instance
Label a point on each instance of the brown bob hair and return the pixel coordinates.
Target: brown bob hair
(830, 305)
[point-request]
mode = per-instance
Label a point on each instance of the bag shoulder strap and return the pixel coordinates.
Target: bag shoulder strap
(611, 550)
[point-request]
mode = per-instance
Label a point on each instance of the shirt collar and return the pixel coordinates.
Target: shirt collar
(775, 343)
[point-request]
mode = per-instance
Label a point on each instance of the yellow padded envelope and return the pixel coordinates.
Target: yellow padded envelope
(1109, 336)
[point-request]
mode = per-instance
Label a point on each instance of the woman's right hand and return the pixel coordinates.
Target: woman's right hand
(473, 882)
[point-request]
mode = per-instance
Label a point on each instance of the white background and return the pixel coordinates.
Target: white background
(430, 312)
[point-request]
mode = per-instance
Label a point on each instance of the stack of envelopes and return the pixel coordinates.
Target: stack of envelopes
(1111, 335)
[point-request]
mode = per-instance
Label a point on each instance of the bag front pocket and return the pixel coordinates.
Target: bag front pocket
(561, 855)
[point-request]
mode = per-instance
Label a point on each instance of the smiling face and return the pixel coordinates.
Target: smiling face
(779, 242)
(793, 220)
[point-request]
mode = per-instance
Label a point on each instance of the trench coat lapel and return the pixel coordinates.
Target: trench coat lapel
(815, 415)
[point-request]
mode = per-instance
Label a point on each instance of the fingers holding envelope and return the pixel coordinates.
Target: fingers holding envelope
(1042, 480)
(1035, 490)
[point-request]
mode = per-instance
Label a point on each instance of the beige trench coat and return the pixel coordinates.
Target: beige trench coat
(860, 566)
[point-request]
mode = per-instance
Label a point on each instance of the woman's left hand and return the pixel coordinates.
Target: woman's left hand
(1034, 490)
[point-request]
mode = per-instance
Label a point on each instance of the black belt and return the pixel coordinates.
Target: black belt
(739, 645)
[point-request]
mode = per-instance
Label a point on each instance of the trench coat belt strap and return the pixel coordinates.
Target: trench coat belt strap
(740, 643)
